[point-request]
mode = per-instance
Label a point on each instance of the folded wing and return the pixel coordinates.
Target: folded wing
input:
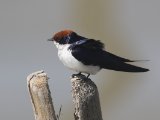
(90, 52)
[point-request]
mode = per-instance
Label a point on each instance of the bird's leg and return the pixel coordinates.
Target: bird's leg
(88, 75)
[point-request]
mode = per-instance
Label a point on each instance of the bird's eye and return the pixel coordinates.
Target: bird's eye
(67, 39)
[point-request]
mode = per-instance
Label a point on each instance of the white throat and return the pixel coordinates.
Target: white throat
(59, 47)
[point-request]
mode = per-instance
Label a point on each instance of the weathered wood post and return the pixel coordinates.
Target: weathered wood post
(38, 88)
(84, 92)
(86, 99)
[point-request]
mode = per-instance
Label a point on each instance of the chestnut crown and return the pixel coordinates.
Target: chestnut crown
(61, 35)
(66, 37)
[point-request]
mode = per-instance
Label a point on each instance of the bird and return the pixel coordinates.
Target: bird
(85, 55)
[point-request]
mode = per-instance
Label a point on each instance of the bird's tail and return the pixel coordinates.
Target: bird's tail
(138, 61)
(125, 67)
(114, 62)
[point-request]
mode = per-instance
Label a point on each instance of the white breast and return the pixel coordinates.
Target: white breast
(68, 60)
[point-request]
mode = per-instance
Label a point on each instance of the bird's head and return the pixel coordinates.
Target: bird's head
(65, 37)
(62, 37)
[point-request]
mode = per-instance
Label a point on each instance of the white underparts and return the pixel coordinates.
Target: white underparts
(69, 61)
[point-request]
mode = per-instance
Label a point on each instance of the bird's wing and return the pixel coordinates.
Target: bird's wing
(94, 45)
(85, 50)
(91, 53)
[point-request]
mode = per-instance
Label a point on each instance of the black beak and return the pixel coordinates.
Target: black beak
(50, 39)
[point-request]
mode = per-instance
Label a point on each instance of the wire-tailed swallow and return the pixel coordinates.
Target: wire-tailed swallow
(86, 55)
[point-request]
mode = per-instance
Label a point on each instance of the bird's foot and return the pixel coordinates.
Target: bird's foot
(79, 74)
(74, 75)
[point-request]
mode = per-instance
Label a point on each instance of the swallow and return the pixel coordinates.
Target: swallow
(89, 56)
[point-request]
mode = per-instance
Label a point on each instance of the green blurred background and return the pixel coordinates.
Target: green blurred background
(129, 28)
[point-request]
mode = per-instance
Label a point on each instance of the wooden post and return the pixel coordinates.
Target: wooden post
(86, 99)
(40, 96)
